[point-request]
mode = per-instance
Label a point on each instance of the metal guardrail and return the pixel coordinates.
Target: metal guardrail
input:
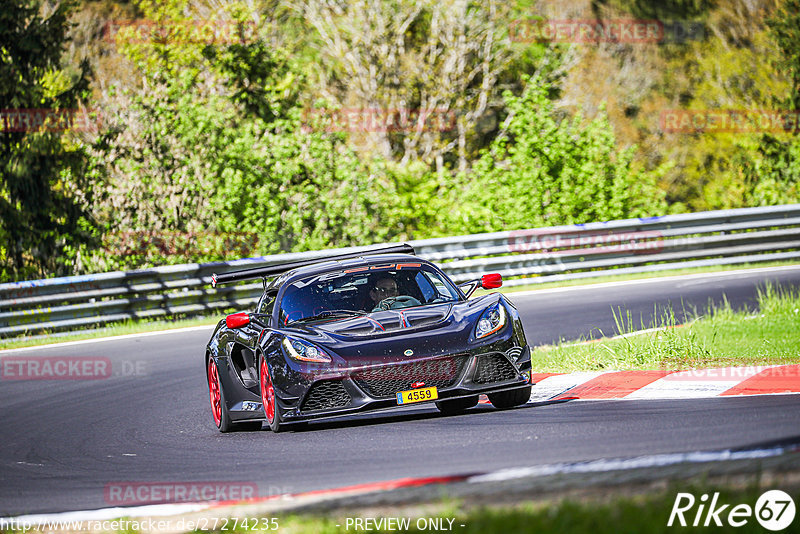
(748, 235)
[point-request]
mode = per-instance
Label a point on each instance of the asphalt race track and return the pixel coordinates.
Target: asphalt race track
(65, 441)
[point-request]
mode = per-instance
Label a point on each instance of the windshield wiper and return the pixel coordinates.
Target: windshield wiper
(330, 313)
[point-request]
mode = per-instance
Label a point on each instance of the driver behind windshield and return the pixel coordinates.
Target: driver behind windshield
(385, 295)
(384, 287)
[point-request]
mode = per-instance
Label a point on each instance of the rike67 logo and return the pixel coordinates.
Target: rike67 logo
(774, 510)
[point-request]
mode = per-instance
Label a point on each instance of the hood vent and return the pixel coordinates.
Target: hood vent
(388, 321)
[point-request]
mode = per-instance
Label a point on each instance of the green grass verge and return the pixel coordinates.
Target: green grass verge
(722, 338)
(603, 512)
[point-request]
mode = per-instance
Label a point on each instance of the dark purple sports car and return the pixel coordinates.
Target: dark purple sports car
(357, 332)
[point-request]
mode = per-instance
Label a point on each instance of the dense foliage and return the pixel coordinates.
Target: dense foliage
(234, 129)
(45, 186)
(775, 176)
(542, 171)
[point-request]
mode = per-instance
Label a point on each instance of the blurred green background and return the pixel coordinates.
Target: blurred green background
(215, 129)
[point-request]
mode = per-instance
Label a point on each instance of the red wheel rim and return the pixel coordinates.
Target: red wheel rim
(213, 392)
(267, 393)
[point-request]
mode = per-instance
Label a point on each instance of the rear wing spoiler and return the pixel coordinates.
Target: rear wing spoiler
(272, 270)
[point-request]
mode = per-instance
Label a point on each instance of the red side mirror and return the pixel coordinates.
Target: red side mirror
(237, 320)
(491, 281)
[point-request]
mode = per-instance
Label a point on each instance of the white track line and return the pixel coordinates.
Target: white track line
(553, 386)
(653, 280)
(112, 338)
(604, 465)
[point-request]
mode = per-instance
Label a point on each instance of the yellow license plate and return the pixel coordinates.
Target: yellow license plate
(417, 395)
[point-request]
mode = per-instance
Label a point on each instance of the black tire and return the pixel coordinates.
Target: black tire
(508, 399)
(456, 406)
(222, 417)
(272, 408)
(219, 409)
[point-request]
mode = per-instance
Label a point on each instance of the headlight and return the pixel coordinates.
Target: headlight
(492, 320)
(304, 351)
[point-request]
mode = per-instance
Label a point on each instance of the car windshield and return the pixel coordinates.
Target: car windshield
(353, 292)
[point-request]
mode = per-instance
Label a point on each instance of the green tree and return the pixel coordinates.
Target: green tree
(216, 141)
(45, 189)
(447, 60)
(774, 175)
(718, 74)
(785, 28)
(549, 169)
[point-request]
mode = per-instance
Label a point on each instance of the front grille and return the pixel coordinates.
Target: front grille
(325, 395)
(386, 381)
(493, 368)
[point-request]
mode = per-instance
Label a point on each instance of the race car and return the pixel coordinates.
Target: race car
(372, 330)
